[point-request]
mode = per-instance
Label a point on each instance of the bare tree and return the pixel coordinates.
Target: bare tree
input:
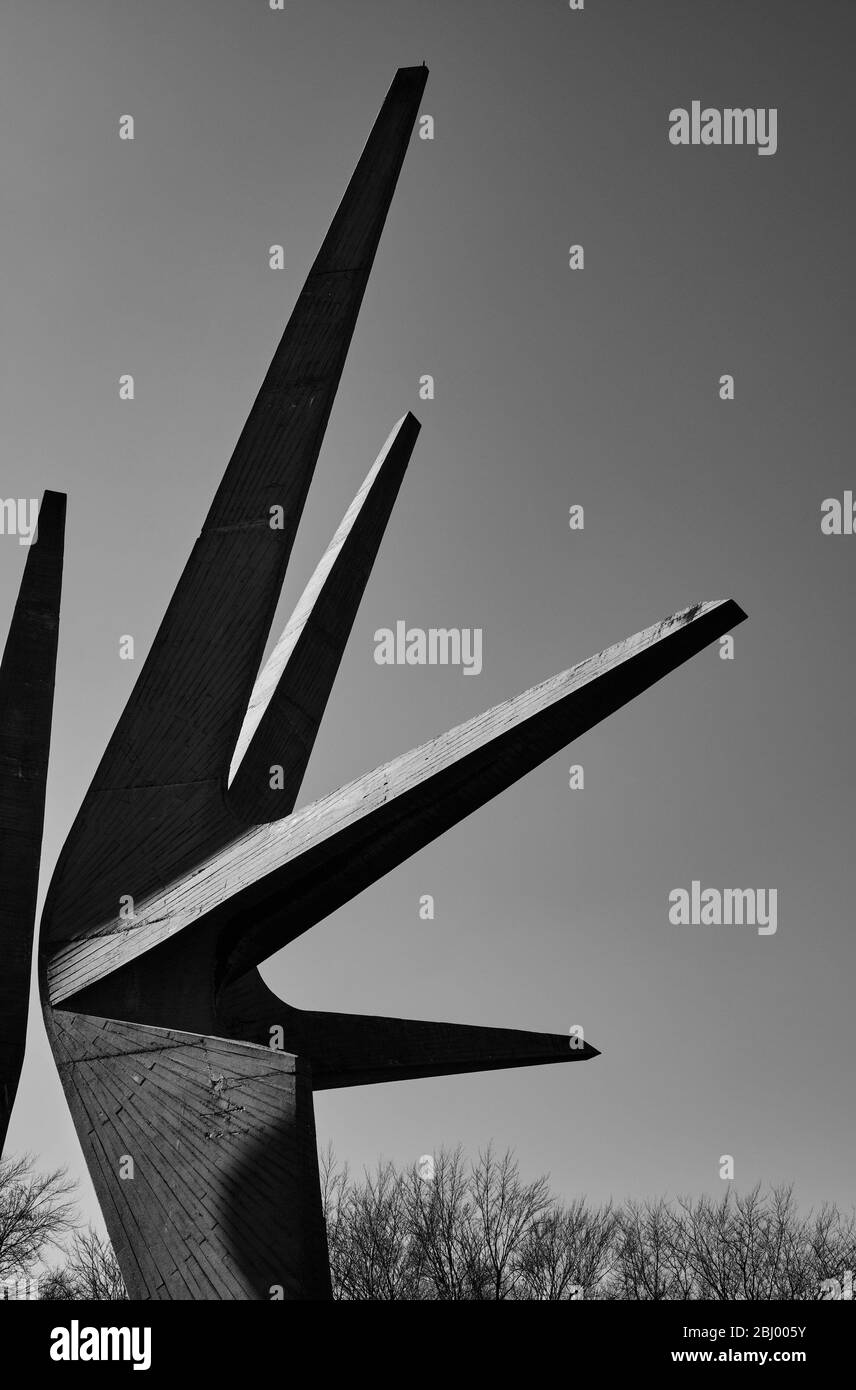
(377, 1258)
(93, 1270)
(831, 1249)
(570, 1252)
(757, 1246)
(36, 1211)
(650, 1260)
(335, 1198)
(441, 1217)
(506, 1212)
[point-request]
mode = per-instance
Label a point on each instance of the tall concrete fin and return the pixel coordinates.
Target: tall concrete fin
(291, 693)
(27, 676)
(156, 804)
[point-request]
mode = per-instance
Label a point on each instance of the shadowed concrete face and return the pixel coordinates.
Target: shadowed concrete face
(187, 865)
(216, 1144)
(27, 678)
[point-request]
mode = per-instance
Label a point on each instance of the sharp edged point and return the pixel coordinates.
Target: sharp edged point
(724, 603)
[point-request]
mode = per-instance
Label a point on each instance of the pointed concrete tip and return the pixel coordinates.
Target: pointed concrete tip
(50, 523)
(739, 614)
(52, 503)
(410, 81)
(709, 605)
(408, 418)
(576, 1054)
(408, 427)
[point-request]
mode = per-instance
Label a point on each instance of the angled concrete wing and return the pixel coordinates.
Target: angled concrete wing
(277, 880)
(27, 676)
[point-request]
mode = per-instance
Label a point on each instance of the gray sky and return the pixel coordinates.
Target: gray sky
(553, 387)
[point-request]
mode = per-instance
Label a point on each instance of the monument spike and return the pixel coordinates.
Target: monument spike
(358, 1050)
(27, 676)
(291, 693)
(157, 798)
(274, 882)
(281, 880)
(361, 1050)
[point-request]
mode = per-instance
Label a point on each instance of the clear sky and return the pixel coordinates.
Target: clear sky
(554, 387)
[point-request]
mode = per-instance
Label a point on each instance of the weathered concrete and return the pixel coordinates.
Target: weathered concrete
(203, 1156)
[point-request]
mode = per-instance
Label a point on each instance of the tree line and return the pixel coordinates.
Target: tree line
(448, 1228)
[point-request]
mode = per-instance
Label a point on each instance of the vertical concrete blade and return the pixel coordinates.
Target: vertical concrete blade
(189, 702)
(157, 803)
(27, 676)
(292, 691)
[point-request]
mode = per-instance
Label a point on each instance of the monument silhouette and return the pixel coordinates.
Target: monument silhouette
(190, 1083)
